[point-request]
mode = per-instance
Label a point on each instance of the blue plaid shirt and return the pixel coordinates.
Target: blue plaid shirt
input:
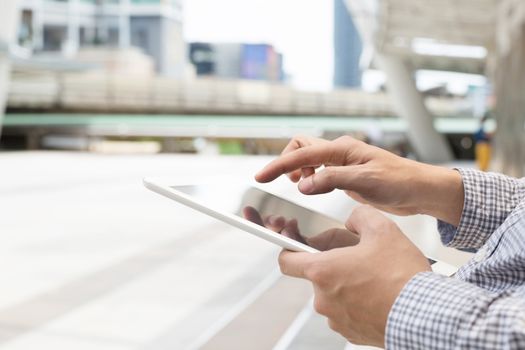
(483, 305)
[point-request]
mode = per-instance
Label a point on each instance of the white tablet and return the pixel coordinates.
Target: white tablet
(267, 216)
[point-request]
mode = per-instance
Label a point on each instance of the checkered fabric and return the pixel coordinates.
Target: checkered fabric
(483, 306)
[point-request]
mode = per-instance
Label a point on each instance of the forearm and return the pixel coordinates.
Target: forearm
(435, 312)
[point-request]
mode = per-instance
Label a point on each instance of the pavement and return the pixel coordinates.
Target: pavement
(90, 259)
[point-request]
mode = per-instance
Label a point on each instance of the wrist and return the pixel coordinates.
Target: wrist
(441, 193)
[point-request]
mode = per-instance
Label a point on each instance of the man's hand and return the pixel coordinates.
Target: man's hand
(355, 287)
(329, 239)
(370, 175)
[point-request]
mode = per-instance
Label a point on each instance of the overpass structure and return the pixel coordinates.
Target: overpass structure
(70, 91)
(473, 36)
(117, 93)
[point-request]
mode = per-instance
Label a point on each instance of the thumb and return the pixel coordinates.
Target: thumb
(368, 223)
(330, 178)
(295, 264)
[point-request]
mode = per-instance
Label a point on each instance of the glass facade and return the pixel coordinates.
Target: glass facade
(145, 1)
(174, 3)
(100, 2)
(347, 48)
(154, 26)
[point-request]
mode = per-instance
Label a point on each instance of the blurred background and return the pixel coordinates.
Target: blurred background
(98, 94)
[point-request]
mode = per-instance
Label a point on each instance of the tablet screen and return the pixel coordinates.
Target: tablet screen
(277, 214)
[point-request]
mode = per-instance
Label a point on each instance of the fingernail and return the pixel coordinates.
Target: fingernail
(306, 186)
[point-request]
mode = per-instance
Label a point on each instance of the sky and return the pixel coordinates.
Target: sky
(300, 29)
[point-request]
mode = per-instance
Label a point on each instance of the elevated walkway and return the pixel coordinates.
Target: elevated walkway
(111, 93)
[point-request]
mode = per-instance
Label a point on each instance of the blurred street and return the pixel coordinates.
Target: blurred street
(91, 259)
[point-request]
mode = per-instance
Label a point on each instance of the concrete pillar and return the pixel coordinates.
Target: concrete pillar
(429, 145)
(509, 81)
(124, 25)
(9, 18)
(38, 25)
(73, 36)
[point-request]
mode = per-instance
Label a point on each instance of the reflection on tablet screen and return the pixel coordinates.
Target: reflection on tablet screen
(275, 213)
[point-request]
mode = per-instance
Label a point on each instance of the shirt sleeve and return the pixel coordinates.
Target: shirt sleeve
(437, 312)
(489, 199)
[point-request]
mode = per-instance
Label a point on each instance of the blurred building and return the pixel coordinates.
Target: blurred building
(347, 48)
(237, 61)
(66, 26)
(202, 56)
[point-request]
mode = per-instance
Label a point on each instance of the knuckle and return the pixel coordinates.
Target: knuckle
(320, 306)
(355, 339)
(337, 290)
(334, 325)
(347, 143)
(346, 139)
(298, 137)
(359, 217)
(330, 175)
(357, 211)
(318, 273)
(335, 150)
(302, 152)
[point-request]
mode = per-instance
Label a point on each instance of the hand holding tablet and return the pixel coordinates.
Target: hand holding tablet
(266, 216)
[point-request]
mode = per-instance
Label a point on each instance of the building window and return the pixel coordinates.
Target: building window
(146, 1)
(25, 31)
(113, 37)
(110, 38)
(100, 2)
(54, 37)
